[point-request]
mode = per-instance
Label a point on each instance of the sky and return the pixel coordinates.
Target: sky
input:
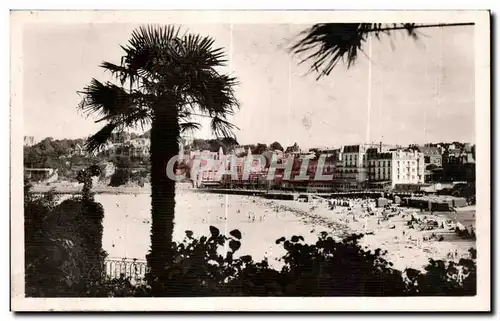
(417, 91)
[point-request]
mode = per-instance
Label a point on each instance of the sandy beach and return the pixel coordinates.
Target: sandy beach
(127, 222)
(262, 222)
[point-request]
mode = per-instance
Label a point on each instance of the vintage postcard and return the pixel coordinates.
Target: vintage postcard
(250, 161)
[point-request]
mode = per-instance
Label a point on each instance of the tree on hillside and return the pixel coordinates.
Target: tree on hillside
(201, 144)
(293, 149)
(123, 171)
(259, 149)
(325, 44)
(227, 144)
(164, 78)
(213, 145)
(121, 161)
(276, 146)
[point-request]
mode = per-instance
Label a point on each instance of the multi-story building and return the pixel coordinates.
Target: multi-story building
(387, 169)
(432, 155)
(204, 167)
(304, 178)
(213, 163)
(139, 147)
(352, 170)
(459, 166)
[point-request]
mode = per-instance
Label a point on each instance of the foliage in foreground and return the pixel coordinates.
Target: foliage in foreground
(326, 268)
(64, 258)
(63, 244)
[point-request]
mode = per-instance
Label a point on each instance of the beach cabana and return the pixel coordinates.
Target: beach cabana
(459, 202)
(381, 202)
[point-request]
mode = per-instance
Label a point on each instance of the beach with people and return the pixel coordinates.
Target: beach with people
(262, 221)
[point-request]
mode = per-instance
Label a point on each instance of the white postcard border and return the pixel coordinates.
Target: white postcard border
(481, 302)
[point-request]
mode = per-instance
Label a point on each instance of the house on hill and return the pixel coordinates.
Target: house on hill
(432, 155)
(41, 174)
(108, 168)
(77, 150)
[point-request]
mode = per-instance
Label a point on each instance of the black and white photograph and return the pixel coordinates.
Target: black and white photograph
(260, 157)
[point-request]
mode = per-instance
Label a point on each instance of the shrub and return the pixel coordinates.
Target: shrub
(445, 278)
(64, 257)
(326, 268)
(331, 268)
(63, 246)
(139, 177)
(120, 177)
(202, 268)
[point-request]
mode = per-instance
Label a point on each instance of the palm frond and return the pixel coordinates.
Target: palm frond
(138, 118)
(151, 49)
(160, 62)
(213, 93)
(198, 52)
(114, 104)
(120, 72)
(221, 127)
(329, 43)
(187, 127)
(105, 99)
(100, 138)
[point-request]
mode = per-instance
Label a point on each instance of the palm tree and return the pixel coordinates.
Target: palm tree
(328, 43)
(164, 79)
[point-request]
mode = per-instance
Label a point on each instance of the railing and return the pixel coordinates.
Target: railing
(127, 268)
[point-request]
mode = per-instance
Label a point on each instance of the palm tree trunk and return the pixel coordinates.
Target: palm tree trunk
(164, 146)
